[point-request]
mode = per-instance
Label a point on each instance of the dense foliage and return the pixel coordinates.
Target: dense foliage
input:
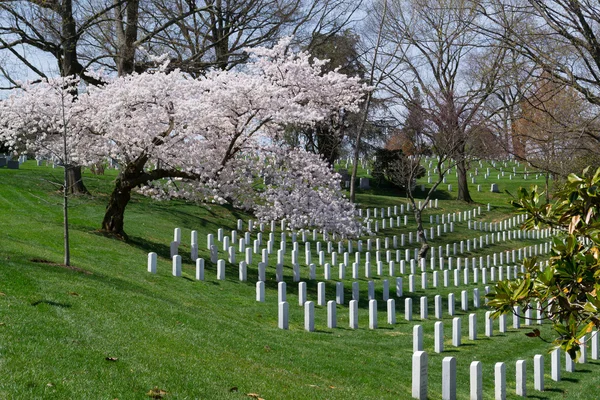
(569, 288)
(395, 167)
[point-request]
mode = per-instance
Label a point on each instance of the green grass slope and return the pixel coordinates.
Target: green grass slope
(107, 329)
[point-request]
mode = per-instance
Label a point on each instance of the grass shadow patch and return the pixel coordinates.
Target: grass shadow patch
(51, 303)
(53, 264)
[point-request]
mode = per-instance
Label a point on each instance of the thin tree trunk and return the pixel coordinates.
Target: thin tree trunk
(355, 158)
(66, 173)
(421, 234)
(547, 187)
(67, 255)
(366, 109)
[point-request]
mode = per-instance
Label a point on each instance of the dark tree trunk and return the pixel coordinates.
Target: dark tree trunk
(328, 143)
(114, 217)
(130, 176)
(463, 188)
(75, 181)
(127, 32)
(69, 38)
(220, 34)
(68, 66)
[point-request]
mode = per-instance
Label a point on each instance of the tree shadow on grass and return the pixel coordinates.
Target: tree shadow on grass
(51, 303)
(190, 220)
(162, 250)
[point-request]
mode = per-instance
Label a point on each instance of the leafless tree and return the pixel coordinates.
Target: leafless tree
(453, 65)
(379, 66)
(416, 141)
(560, 37)
(199, 34)
(556, 45)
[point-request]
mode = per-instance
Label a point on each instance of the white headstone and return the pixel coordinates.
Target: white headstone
(152, 258)
(353, 309)
(449, 378)
(583, 350)
(331, 314)
(200, 269)
(517, 317)
(221, 270)
(408, 305)
(339, 292)
(372, 314)
(489, 324)
(464, 300)
(309, 316)
(476, 382)
(321, 293)
(417, 338)
(424, 310)
(399, 287)
(391, 311)
(538, 372)
(473, 326)
(284, 309)
(439, 337)
(521, 378)
(500, 381)
(569, 363)
(301, 293)
(555, 365)
(419, 375)
(176, 265)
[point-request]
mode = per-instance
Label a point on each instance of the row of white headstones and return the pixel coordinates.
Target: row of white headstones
(346, 257)
(527, 314)
(442, 262)
(379, 244)
(353, 305)
(467, 272)
(420, 372)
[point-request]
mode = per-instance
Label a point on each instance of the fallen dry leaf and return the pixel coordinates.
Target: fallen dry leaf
(254, 396)
(534, 333)
(156, 393)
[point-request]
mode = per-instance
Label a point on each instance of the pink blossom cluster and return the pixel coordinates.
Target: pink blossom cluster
(210, 139)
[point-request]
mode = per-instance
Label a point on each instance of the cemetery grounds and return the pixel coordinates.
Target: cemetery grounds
(106, 328)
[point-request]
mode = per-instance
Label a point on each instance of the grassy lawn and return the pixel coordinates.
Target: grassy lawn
(107, 329)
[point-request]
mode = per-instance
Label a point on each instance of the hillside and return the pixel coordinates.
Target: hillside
(108, 329)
